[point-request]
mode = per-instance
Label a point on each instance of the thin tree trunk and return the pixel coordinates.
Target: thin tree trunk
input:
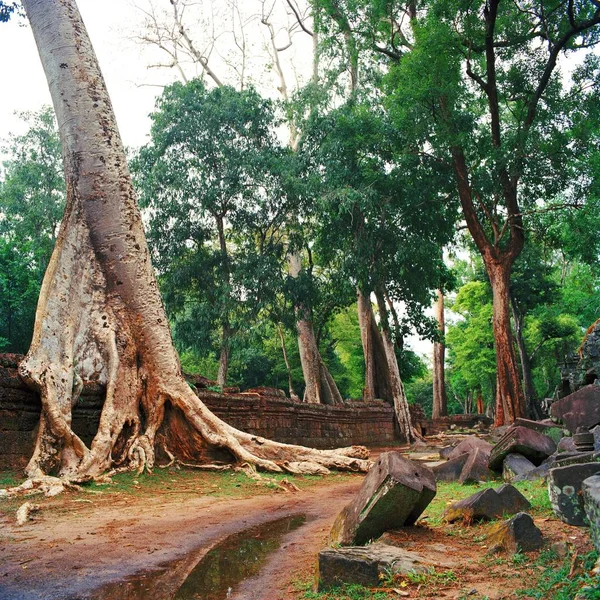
(440, 400)
(100, 316)
(365, 318)
(533, 407)
(226, 330)
(320, 386)
(397, 387)
(291, 390)
(480, 406)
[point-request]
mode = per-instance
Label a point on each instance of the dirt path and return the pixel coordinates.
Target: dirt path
(76, 551)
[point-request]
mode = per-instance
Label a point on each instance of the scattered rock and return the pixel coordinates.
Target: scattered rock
(445, 452)
(363, 565)
(394, 493)
(579, 409)
(450, 470)
(566, 444)
(476, 468)
(517, 534)
(515, 465)
(469, 445)
(565, 491)
(488, 504)
(561, 549)
(591, 500)
(419, 446)
(521, 440)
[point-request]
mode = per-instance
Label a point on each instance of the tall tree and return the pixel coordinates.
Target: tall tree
(212, 178)
(482, 84)
(100, 315)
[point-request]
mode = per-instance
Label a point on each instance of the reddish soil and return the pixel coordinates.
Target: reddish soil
(87, 546)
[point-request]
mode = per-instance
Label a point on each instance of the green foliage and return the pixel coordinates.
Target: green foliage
(32, 196)
(215, 181)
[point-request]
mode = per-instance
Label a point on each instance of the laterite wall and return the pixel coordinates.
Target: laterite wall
(279, 419)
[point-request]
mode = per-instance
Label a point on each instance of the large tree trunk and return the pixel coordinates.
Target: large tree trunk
(100, 316)
(320, 386)
(510, 400)
(226, 330)
(440, 400)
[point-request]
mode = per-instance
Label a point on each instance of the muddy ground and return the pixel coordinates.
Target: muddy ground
(91, 545)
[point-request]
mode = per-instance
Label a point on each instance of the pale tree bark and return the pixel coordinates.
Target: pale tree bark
(100, 316)
(440, 400)
(382, 375)
(320, 386)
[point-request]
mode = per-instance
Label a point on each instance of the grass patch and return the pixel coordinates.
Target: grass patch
(10, 479)
(564, 579)
(346, 592)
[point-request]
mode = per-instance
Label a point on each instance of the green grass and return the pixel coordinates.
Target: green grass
(535, 491)
(10, 479)
(346, 592)
(555, 584)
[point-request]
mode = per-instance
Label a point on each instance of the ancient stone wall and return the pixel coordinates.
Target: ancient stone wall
(276, 418)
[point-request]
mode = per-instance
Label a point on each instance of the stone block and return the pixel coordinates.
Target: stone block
(488, 504)
(517, 534)
(591, 501)
(521, 440)
(579, 409)
(515, 465)
(565, 491)
(566, 444)
(450, 470)
(394, 493)
(547, 428)
(362, 565)
(469, 445)
(445, 452)
(476, 468)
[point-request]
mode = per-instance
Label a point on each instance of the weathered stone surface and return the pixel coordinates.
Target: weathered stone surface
(515, 465)
(450, 470)
(565, 491)
(476, 468)
(566, 444)
(547, 428)
(596, 432)
(362, 565)
(580, 409)
(521, 440)
(445, 452)
(394, 493)
(591, 501)
(488, 504)
(517, 534)
(573, 458)
(469, 445)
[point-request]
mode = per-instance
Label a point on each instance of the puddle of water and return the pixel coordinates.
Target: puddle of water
(239, 557)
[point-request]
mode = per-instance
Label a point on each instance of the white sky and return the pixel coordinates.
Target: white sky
(24, 84)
